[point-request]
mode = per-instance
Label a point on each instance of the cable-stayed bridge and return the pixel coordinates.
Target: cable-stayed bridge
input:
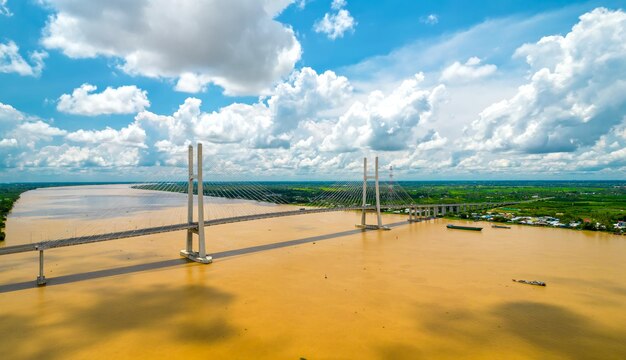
(214, 203)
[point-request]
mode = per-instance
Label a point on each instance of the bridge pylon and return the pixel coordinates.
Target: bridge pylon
(200, 255)
(364, 205)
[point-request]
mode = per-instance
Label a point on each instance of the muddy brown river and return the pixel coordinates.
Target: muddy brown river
(308, 286)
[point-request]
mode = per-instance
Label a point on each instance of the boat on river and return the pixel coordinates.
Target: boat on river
(459, 227)
(500, 227)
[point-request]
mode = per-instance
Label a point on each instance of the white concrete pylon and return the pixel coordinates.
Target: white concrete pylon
(363, 224)
(380, 221)
(201, 243)
(199, 256)
(190, 201)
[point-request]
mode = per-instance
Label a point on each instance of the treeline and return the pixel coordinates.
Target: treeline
(9, 193)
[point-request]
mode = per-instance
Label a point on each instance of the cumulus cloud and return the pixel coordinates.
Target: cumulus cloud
(307, 96)
(4, 10)
(305, 125)
(431, 19)
(12, 62)
(337, 23)
(576, 91)
(21, 135)
(471, 70)
(385, 122)
(132, 135)
(236, 44)
(338, 4)
(28, 141)
(269, 123)
(121, 100)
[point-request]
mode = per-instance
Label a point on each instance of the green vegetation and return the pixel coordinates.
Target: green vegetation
(594, 205)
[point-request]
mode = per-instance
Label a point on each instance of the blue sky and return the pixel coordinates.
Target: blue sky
(277, 89)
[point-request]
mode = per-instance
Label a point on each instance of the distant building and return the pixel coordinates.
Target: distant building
(620, 225)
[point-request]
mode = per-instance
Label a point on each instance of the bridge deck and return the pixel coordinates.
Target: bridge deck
(50, 244)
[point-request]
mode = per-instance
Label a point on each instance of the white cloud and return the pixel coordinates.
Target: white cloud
(65, 155)
(132, 135)
(21, 135)
(308, 96)
(192, 83)
(121, 100)
(338, 4)
(270, 123)
(431, 19)
(12, 62)
(334, 25)
(386, 123)
(575, 94)
(8, 142)
(4, 10)
(470, 71)
(236, 44)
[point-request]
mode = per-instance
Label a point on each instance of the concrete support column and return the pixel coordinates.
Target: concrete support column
(201, 244)
(189, 247)
(41, 279)
(379, 218)
(363, 212)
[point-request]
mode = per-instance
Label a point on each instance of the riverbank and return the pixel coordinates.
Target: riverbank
(9, 194)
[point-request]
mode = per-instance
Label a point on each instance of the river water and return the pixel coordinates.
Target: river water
(306, 286)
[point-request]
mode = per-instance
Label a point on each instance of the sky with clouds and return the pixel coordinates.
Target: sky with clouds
(304, 89)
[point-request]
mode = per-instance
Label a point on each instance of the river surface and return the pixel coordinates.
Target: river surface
(307, 286)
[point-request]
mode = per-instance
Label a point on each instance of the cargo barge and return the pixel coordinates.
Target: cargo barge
(458, 227)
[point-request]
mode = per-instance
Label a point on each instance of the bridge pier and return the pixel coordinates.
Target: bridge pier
(41, 279)
(200, 255)
(363, 225)
(414, 214)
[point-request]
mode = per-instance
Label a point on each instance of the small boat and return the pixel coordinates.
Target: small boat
(531, 282)
(450, 226)
(500, 227)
